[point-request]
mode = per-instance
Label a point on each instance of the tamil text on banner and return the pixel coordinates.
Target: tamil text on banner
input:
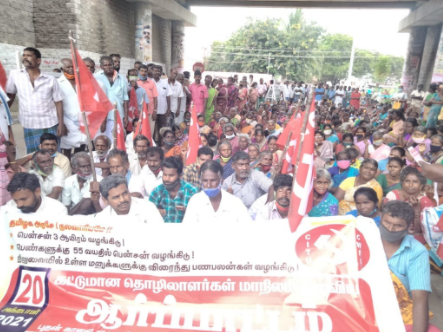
(79, 274)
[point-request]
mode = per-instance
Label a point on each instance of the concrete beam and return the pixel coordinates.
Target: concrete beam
(374, 4)
(430, 13)
(171, 10)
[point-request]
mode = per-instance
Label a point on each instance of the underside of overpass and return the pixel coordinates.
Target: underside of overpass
(373, 4)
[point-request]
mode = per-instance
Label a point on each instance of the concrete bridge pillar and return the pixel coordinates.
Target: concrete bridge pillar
(429, 55)
(143, 32)
(413, 59)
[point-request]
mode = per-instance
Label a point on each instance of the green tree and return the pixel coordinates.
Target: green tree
(249, 48)
(298, 51)
(382, 68)
(336, 52)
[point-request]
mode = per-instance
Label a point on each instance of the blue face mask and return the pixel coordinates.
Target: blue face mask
(143, 78)
(212, 192)
(169, 143)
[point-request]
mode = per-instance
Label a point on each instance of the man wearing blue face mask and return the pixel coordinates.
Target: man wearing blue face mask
(408, 261)
(212, 204)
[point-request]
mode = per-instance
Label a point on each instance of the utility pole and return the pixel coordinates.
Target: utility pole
(269, 61)
(351, 63)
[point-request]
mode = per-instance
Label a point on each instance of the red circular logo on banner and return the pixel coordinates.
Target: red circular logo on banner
(198, 66)
(331, 244)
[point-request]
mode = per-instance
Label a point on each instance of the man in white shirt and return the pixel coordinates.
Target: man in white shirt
(71, 111)
(51, 178)
(138, 160)
(115, 192)
(417, 97)
(152, 175)
(279, 208)
(298, 92)
(180, 118)
(177, 93)
(163, 102)
(212, 204)
(40, 100)
(262, 89)
(102, 145)
(76, 195)
(48, 142)
(285, 91)
(339, 95)
(400, 96)
(118, 161)
(27, 198)
(129, 141)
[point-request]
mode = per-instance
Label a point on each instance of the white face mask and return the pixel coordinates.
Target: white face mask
(230, 136)
(327, 132)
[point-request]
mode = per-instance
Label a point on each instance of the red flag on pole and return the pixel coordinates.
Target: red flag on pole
(194, 139)
(120, 133)
(302, 190)
(293, 127)
(92, 100)
(3, 77)
(132, 109)
(144, 124)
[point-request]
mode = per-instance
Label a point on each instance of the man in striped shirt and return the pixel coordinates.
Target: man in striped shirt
(40, 100)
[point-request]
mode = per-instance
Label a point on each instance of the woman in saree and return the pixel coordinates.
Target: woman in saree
(253, 96)
(381, 151)
(246, 125)
(355, 99)
(366, 201)
(232, 93)
(419, 142)
(391, 180)
(342, 170)
(259, 138)
(324, 150)
(224, 158)
(253, 152)
(413, 184)
(325, 204)
(276, 153)
(435, 155)
(222, 97)
(242, 97)
(396, 127)
(426, 105)
(217, 130)
(366, 178)
(436, 103)
(409, 127)
(212, 92)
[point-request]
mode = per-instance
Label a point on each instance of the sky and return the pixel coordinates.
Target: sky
(372, 29)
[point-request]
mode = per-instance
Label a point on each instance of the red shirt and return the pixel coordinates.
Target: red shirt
(199, 94)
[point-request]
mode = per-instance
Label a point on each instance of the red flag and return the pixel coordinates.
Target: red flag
(132, 109)
(293, 127)
(194, 139)
(302, 190)
(91, 98)
(3, 77)
(120, 133)
(145, 126)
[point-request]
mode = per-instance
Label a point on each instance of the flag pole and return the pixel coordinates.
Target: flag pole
(303, 129)
(140, 118)
(85, 121)
(114, 131)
